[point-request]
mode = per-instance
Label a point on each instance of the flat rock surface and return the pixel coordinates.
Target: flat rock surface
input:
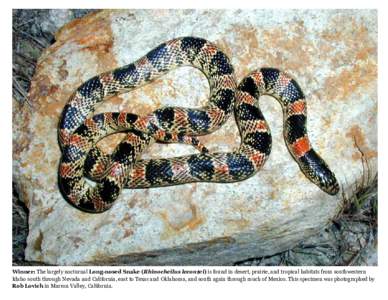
(331, 53)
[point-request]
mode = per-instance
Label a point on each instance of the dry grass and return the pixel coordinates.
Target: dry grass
(349, 240)
(29, 39)
(19, 228)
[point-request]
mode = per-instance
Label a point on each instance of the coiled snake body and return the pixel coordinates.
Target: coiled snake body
(79, 133)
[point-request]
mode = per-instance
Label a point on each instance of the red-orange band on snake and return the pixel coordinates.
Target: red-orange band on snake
(301, 146)
(298, 107)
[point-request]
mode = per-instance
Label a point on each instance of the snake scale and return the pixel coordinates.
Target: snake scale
(79, 131)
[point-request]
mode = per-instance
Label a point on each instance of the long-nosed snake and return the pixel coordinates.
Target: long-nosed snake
(79, 133)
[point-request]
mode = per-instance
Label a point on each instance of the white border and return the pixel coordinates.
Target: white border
(221, 291)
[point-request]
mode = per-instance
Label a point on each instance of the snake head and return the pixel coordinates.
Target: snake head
(315, 168)
(327, 181)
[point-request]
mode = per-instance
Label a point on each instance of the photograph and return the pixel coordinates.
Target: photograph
(194, 137)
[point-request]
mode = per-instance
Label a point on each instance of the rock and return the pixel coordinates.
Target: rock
(55, 19)
(331, 53)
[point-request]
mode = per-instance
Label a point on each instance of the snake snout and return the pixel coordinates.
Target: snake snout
(332, 186)
(315, 168)
(327, 181)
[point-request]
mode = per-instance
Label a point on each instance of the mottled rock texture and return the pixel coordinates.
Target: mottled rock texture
(331, 53)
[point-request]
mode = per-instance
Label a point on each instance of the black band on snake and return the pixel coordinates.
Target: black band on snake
(79, 131)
